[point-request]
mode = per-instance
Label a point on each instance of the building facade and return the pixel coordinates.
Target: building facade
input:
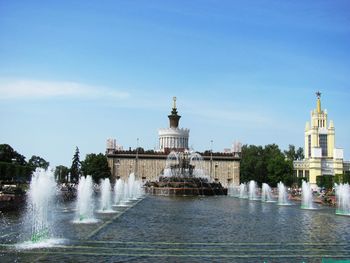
(149, 165)
(322, 158)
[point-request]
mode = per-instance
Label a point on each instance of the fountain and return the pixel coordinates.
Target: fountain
(118, 191)
(342, 192)
(198, 163)
(282, 194)
(133, 185)
(125, 192)
(39, 215)
(184, 174)
(85, 202)
(252, 190)
(266, 195)
(138, 190)
(232, 190)
(306, 196)
(243, 191)
(106, 204)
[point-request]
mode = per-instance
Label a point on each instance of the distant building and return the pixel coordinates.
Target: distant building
(149, 165)
(322, 158)
(112, 145)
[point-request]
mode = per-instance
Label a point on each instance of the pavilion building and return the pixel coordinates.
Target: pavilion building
(322, 158)
(148, 165)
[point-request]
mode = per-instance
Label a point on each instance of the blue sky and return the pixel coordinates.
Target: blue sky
(74, 73)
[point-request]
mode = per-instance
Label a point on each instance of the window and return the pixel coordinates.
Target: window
(300, 173)
(323, 144)
(307, 175)
(309, 145)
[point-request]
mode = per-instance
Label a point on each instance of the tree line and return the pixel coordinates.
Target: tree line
(95, 165)
(15, 168)
(269, 164)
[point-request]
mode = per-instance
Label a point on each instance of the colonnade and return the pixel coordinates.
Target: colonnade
(173, 142)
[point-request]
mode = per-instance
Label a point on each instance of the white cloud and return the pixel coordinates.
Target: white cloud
(35, 89)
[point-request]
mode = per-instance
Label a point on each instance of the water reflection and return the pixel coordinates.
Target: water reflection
(200, 229)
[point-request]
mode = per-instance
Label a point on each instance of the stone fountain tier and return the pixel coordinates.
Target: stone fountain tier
(184, 186)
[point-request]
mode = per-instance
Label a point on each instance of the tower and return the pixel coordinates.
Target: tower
(173, 117)
(321, 156)
(173, 138)
(319, 135)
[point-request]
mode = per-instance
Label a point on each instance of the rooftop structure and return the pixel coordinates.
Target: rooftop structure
(173, 138)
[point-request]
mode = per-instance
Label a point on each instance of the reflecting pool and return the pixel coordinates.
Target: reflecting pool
(187, 229)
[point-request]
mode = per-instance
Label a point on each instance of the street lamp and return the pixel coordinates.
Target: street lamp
(216, 166)
(116, 173)
(211, 158)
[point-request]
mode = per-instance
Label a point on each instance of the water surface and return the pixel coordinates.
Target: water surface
(189, 229)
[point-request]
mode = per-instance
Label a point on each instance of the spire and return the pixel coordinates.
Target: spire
(173, 117)
(318, 95)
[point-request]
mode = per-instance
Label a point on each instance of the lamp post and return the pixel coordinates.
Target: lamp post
(137, 158)
(211, 158)
(116, 173)
(143, 172)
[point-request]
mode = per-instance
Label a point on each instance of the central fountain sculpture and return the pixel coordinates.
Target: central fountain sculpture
(184, 175)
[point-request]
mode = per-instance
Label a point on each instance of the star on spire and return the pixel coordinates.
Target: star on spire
(318, 94)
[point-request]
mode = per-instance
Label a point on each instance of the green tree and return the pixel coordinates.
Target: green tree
(252, 164)
(38, 162)
(342, 178)
(13, 166)
(300, 154)
(9, 155)
(96, 166)
(292, 154)
(75, 168)
(278, 168)
(326, 181)
(61, 173)
(346, 177)
(265, 165)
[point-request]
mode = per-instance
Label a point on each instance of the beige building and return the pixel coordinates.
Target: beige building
(149, 165)
(322, 158)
